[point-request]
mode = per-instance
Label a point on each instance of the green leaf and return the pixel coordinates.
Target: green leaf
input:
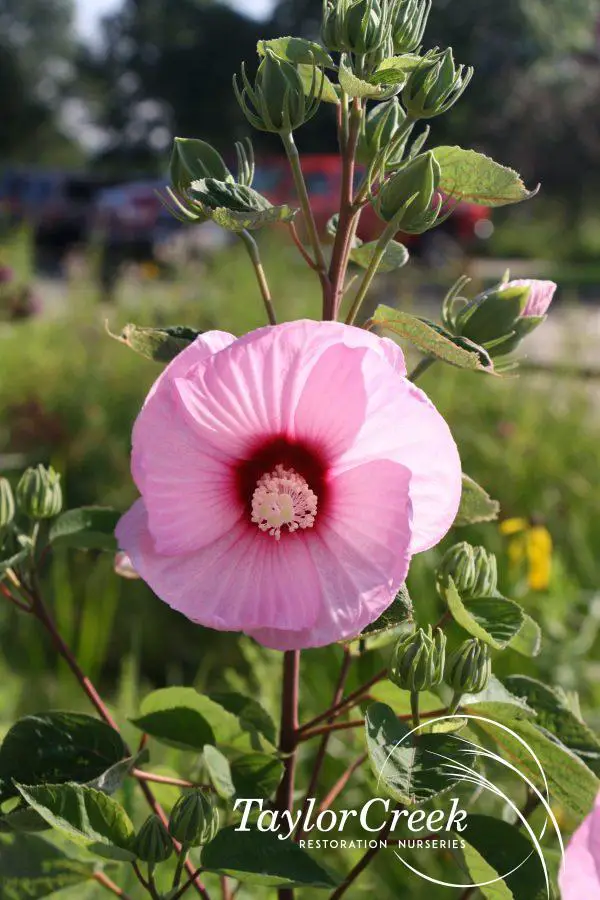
(183, 718)
(413, 770)
(357, 87)
(395, 621)
(396, 256)
(160, 345)
(493, 620)
(249, 712)
(256, 857)
(87, 528)
(324, 86)
(476, 505)
(528, 641)
(429, 340)
(111, 780)
(297, 50)
(555, 716)
(57, 747)
(219, 771)
(394, 67)
(32, 868)
(256, 775)
(471, 176)
(84, 815)
(496, 702)
(252, 220)
(571, 782)
(494, 849)
(237, 207)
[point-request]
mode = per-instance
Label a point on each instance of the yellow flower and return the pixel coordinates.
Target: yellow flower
(531, 545)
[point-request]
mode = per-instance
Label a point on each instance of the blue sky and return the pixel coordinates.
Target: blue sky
(90, 11)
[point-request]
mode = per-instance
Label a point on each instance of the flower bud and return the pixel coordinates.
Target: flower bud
(354, 26)
(7, 503)
(473, 570)
(435, 85)
(408, 24)
(468, 669)
(194, 819)
(411, 196)
(278, 101)
(153, 843)
(192, 160)
(418, 660)
(381, 126)
(39, 494)
(506, 314)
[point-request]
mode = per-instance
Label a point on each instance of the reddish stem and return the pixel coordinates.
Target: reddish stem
(347, 703)
(327, 730)
(106, 882)
(288, 739)
(166, 779)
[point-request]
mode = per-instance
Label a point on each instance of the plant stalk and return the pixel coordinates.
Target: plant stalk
(288, 739)
(253, 253)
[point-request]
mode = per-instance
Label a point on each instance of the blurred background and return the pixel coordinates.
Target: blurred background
(93, 92)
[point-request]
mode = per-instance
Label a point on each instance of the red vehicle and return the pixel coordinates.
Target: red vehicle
(468, 224)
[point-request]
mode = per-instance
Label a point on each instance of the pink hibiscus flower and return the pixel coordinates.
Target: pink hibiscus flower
(541, 294)
(286, 478)
(579, 878)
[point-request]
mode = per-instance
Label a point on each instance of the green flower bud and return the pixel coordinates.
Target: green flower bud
(410, 197)
(354, 26)
(194, 819)
(39, 494)
(435, 85)
(468, 669)
(380, 127)
(153, 843)
(7, 503)
(473, 570)
(192, 160)
(409, 23)
(418, 660)
(494, 315)
(278, 101)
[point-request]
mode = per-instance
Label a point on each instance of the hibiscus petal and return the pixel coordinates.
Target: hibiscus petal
(579, 877)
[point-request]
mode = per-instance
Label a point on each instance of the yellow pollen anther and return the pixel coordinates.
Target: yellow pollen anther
(283, 498)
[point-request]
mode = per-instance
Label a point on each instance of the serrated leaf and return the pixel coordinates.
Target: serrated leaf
(85, 816)
(111, 780)
(57, 747)
(411, 769)
(391, 624)
(496, 702)
(87, 528)
(357, 87)
(32, 868)
(249, 712)
(237, 207)
(396, 256)
(502, 847)
(528, 641)
(570, 781)
(183, 718)
(429, 340)
(297, 50)
(251, 220)
(324, 87)
(474, 177)
(554, 715)
(260, 858)
(256, 775)
(219, 772)
(398, 66)
(476, 505)
(493, 620)
(160, 345)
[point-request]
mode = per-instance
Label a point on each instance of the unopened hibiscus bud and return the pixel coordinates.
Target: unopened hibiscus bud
(39, 494)
(153, 843)
(409, 22)
(411, 197)
(468, 669)
(278, 101)
(473, 570)
(194, 819)
(381, 126)
(435, 86)
(354, 26)
(192, 160)
(418, 660)
(7, 503)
